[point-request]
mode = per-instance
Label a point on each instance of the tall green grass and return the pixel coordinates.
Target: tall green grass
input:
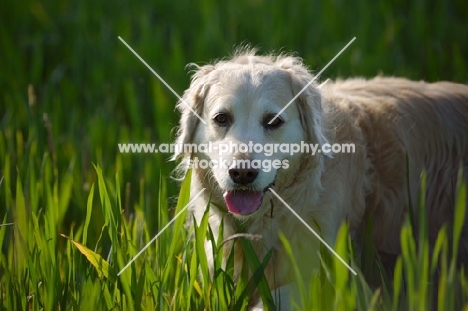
(70, 91)
(173, 272)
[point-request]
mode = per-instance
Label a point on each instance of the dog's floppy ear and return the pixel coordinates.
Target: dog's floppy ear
(194, 97)
(309, 102)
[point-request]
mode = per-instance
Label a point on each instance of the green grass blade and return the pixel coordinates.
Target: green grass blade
(102, 267)
(89, 211)
(258, 276)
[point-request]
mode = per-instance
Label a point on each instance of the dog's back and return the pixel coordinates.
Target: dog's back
(426, 123)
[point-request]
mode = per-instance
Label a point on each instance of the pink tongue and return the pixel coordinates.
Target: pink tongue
(243, 202)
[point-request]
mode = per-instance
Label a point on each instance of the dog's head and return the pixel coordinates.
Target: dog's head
(238, 99)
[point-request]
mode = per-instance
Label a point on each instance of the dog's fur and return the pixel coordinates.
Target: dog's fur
(390, 121)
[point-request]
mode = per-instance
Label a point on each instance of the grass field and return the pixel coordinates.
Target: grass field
(74, 211)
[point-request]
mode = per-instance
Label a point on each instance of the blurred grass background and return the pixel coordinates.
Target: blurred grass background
(70, 91)
(96, 93)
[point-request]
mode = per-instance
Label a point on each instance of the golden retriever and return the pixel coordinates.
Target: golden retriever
(388, 120)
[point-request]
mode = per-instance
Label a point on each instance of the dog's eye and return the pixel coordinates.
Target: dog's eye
(277, 122)
(222, 119)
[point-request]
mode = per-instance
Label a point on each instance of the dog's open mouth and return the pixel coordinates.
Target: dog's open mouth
(244, 202)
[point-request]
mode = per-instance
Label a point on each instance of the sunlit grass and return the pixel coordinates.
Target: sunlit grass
(43, 270)
(70, 92)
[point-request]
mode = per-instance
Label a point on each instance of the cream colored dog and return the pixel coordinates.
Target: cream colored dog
(387, 119)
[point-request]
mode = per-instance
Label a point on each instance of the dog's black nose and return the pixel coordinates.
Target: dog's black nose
(243, 176)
